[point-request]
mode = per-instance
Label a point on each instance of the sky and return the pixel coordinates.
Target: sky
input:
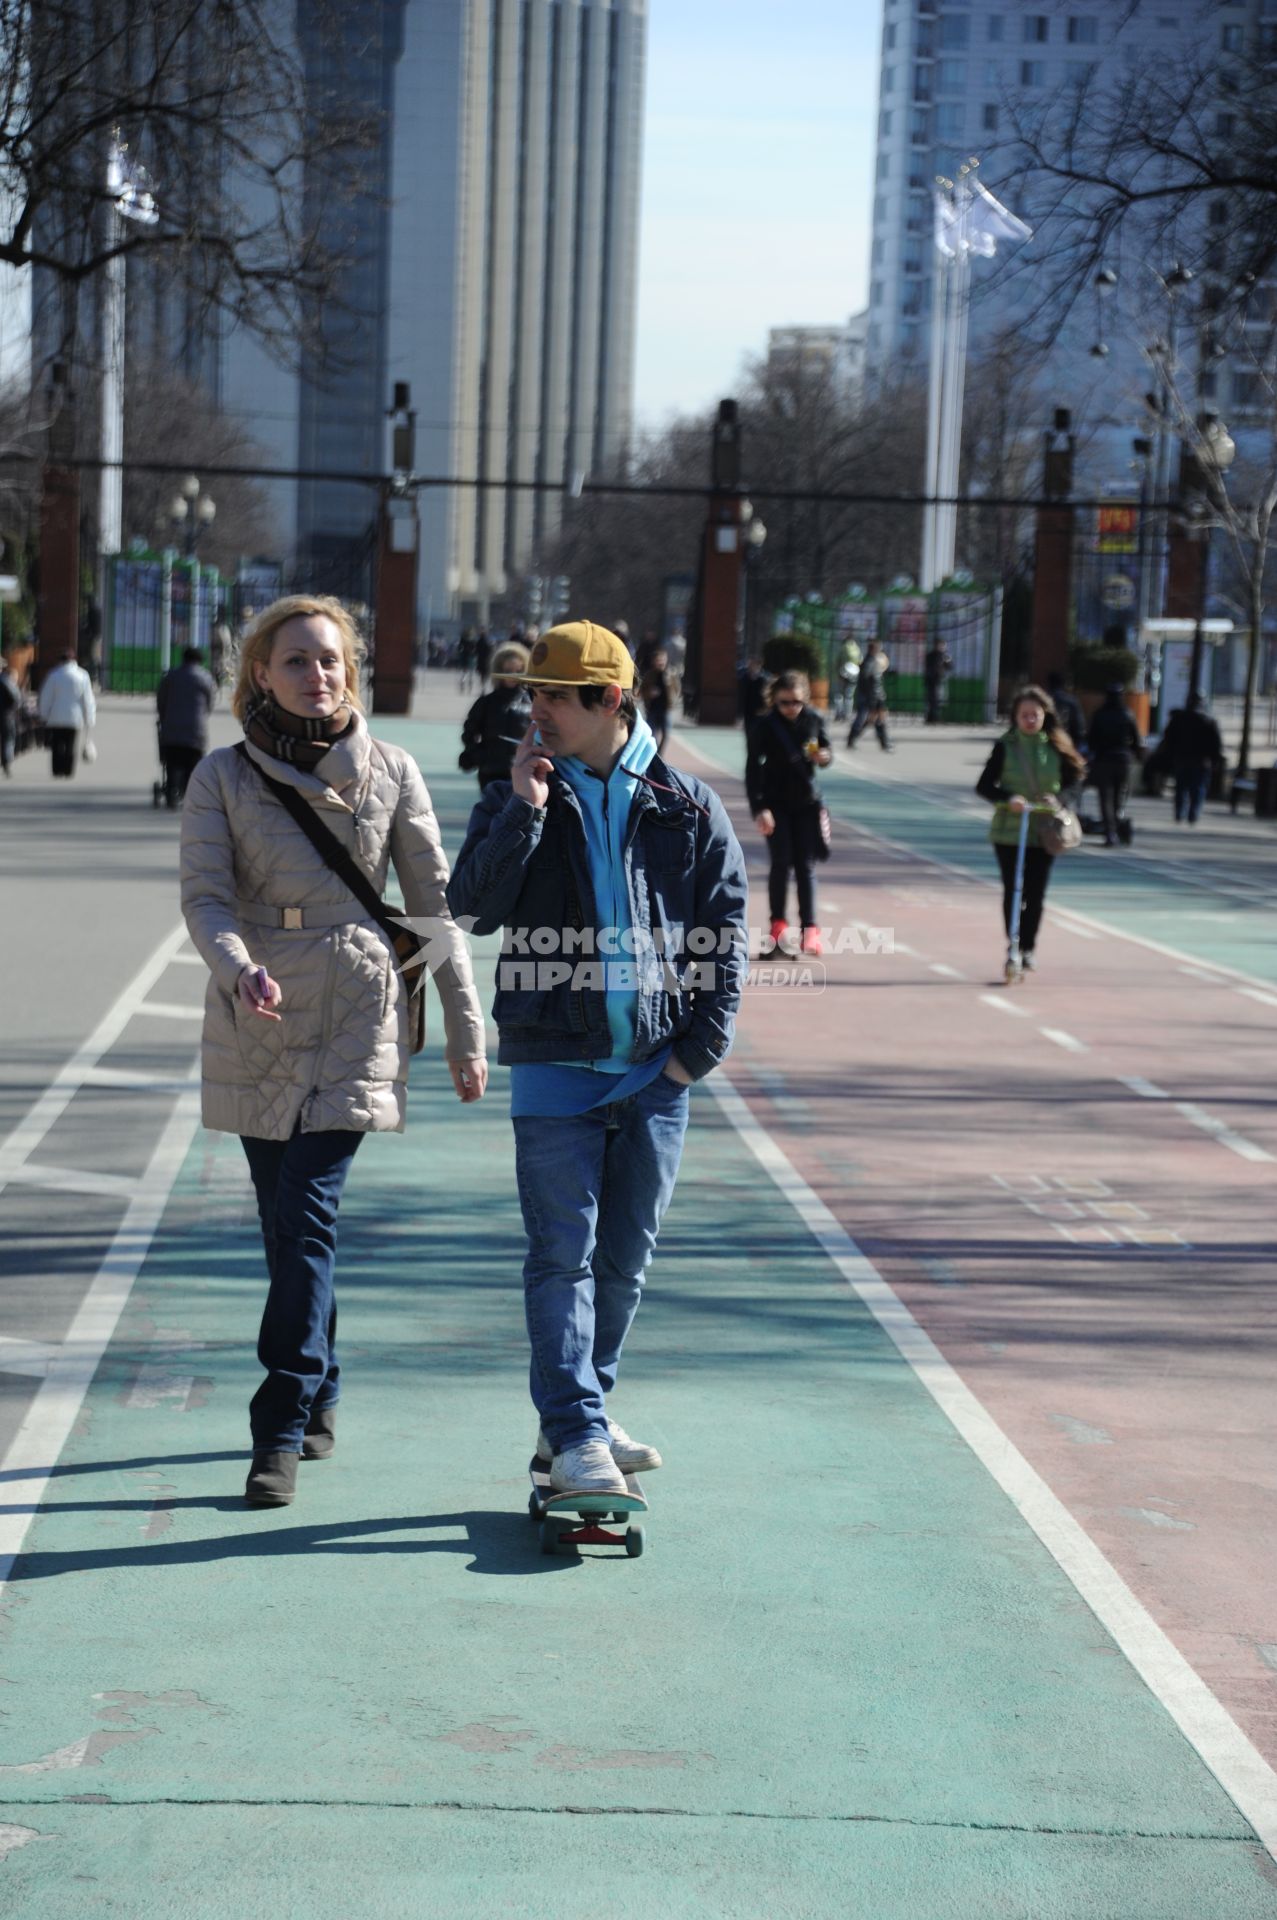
(757, 184)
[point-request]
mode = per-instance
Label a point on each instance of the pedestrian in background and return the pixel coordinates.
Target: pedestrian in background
(183, 701)
(786, 745)
(306, 1016)
(465, 660)
(1113, 741)
(10, 707)
(221, 647)
(68, 709)
(1193, 749)
(871, 698)
(936, 668)
(1034, 766)
(752, 684)
(1068, 709)
(846, 674)
(498, 719)
(482, 657)
(654, 692)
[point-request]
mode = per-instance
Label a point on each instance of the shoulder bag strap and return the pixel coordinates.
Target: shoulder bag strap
(329, 849)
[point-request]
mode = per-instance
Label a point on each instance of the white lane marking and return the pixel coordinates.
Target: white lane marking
(188, 960)
(55, 1408)
(1064, 1040)
(1198, 973)
(1003, 1005)
(169, 1010)
(1254, 993)
(1145, 1088)
(115, 1186)
(1069, 926)
(950, 973)
(1235, 1762)
(57, 1097)
(1221, 1131)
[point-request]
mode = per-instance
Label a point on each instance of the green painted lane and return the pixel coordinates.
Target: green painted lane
(844, 1677)
(1150, 900)
(293, 1862)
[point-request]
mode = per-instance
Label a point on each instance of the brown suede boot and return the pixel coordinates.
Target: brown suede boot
(272, 1480)
(321, 1434)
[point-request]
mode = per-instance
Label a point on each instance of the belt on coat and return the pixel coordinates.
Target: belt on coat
(255, 913)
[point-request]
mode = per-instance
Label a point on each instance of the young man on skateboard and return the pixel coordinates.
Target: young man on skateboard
(621, 888)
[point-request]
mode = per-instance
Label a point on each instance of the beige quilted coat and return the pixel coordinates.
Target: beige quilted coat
(338, 1058)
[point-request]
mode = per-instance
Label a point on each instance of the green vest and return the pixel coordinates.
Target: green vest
(1031, 766)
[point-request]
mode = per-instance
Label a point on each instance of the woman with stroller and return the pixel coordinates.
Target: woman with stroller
(498, 720)
(307, 1015)
(786, 745)
(1033, 768)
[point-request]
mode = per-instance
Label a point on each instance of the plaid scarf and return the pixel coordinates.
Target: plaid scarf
(289, 736)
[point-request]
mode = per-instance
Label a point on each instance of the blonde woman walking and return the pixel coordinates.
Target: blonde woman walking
(306, 1023)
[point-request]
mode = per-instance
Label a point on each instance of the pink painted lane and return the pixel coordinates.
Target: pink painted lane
(1093, 1261)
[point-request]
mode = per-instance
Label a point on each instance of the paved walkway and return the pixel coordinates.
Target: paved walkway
(850, 1675)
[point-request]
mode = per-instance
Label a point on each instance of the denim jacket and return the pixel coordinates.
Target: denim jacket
(526, 869)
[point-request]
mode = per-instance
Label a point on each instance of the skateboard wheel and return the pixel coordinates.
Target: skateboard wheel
(634, 1541)
(549, 1536)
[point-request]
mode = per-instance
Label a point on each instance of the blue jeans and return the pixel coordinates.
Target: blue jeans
(299, 1186)
(594, 1188)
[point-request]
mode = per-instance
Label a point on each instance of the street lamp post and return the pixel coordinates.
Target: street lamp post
(755, 539)
(192, 512)
(1204, 460)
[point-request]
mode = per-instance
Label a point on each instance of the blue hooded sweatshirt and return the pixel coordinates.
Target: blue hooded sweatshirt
(605, 810)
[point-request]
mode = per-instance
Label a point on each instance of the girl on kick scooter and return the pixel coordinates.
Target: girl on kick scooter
(1034, 770)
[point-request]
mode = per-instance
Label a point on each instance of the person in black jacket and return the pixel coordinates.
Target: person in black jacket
(1113, 739)
(1193, 749)
(498, 720)
(786, 745)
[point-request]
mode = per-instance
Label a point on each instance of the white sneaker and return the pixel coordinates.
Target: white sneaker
(631, 1456)
(588, 1468)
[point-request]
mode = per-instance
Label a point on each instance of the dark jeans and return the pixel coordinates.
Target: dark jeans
(594, 1188)
(1192, 784)
(299, 1186)
(8, 741)
(62, 741)
(863, 716)
(792, 848)
(179, 764)
(1037, 872)
(935, 700)
(1112, 774)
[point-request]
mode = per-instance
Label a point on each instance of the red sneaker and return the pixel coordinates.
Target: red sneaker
(812, 942)
(776, 935)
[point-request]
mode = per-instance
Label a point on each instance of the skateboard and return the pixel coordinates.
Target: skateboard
(555, 1513)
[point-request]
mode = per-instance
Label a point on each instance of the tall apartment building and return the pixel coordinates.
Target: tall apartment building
(496, 275)
(949, 69)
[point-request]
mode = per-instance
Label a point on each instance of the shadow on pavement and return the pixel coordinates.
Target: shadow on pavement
(501, 1542)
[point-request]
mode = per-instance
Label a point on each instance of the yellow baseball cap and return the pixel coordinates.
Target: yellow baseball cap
(579, 654)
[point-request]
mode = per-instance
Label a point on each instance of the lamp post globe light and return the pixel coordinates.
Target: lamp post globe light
(192, 512)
